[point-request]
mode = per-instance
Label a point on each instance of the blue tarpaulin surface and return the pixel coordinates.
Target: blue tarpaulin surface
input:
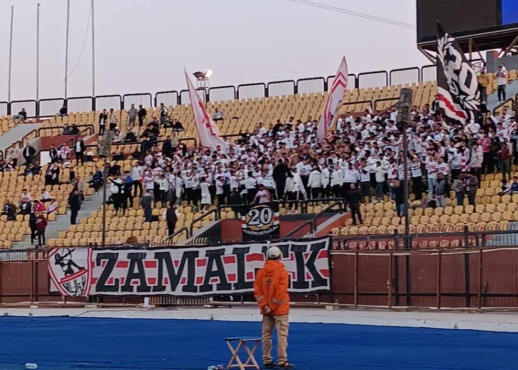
(57, 343)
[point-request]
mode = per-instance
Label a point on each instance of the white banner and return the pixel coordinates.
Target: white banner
(196, 271)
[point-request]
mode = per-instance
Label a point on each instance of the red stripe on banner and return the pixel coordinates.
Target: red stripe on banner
(325, 273)
(183, 281)
(229, 259)
(122, 264)
(123, 280)
(199, 280)
(308, 276)
(150, 264)
(92, 264)
(73, 276)
(151, 281)
(323, 254)
(231, 277)
(103, 263)
(451, 107)
(249, 275)
(166, 281)
(93, 280)
(135, 282)
(201, 262)
(110, 281)
(214, 280)
(255, 257)
(176, 263)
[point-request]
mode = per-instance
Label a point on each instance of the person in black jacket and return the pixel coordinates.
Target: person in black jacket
(171, 218)
(167, 147)
(32, 226)
(103, 119)
(141, 115)
(53, 154)
(280, 173)
(74, 201)
(28, 153)
(233, 200)
(355, 198)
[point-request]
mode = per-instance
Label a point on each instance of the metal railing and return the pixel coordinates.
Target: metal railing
(313, 222)
(203, 217)
(50, 106)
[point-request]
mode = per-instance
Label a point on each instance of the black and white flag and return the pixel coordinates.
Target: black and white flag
(457, 84)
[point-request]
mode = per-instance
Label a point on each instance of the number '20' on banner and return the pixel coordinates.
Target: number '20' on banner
(261, 222)
(190, 271)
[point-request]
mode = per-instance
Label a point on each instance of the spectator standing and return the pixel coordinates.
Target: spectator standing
(315, 182)
(103, 120)
(132, 116)
(234, 200)
(205, 194)
(80, 149)
(441, 189)
(379, 172)
(483, 82)
(471, 184)
(32, 226)
(399, 198)
(53, 154)
(113, 119)
(505, 161)
(63, 111)
(9, 210)
(41, 226)
(501, 77)
(146, 202)
(141, 115)
(417, 177)
(171, 217)
(459, 187)
(355, 198)
(28, 154)
(280, 173)
(74, 200)
(116, 190)
(262, 196)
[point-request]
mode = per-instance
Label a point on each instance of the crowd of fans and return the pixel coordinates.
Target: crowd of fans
(360, 161)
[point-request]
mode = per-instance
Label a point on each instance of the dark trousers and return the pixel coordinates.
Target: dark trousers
(137, 185)
(279, 187)
(471, 197)
(101, 129)
(117, 201)
(170, 227)
(315, 193)
(501, 92)
(34, 235)
(80, 157)
(417, 187)
(355, 213)
(73, 215)
(147, 214)
(41, 237)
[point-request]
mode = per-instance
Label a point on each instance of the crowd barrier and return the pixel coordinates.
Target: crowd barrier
(314, 85)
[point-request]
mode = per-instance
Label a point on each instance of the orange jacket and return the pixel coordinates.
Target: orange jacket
(271, 288)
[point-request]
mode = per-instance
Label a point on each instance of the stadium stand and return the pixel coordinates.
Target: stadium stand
(250, 124)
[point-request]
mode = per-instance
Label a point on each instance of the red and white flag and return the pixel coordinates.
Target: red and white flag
(334, 100)
(208, 131)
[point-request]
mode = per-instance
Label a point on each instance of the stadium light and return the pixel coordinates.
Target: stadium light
(203, 76)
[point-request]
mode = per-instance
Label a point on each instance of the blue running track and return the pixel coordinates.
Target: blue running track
(59, 343)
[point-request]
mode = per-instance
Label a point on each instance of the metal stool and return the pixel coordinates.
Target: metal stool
(243, 343)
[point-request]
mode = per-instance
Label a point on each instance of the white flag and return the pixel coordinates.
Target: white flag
(334, 100)
(208, 131)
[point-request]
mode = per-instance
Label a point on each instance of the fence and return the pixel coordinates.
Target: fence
(314, 85)
(467, 278)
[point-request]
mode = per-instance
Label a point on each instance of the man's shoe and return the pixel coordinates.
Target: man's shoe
(270, 365)
(285, 365)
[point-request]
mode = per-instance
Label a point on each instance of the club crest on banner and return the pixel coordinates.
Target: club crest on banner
(261, 220)
(70, 271)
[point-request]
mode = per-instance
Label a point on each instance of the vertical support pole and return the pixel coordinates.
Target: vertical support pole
(389, 281)
(66, 48)
(439, 273)
(480, 276)
(93, 50)
(356, 279)
(38, 55)
(10, 57)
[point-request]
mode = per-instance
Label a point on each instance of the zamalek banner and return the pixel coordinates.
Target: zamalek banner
(191, 271)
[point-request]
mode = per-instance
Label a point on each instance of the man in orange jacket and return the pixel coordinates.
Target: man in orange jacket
(271, 293)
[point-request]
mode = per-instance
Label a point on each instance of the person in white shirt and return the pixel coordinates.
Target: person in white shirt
(432, 169)
(315, 182)
(262, 196)
(337, 181)
(205, 194)
(417, 177)
(137, 174)
(326, 181)
(163, 188)
(379, 173)
(501, 76)
(365, 181)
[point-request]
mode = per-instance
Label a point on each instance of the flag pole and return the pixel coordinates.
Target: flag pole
(66, 48)
(38, 52)
(93, 50)
(10, 56)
